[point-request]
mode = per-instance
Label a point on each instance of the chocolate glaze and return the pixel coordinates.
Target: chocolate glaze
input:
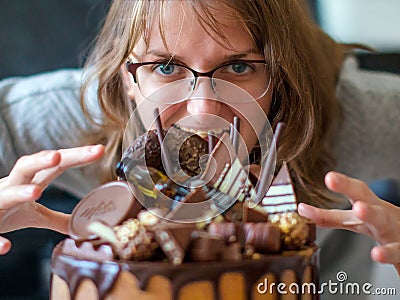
(73, 270)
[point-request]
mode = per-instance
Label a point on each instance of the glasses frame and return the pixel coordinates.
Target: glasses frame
(132, 68)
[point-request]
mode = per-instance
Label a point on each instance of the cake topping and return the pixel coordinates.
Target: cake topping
(111, 204)
(280, 197)
(174, 240)
(196, 219)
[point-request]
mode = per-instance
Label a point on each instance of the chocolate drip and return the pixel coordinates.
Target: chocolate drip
(73, 271)
(104, 274)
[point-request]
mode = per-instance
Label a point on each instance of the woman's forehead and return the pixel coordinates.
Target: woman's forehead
(180, 27)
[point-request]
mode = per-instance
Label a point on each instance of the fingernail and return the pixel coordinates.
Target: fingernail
(95, 149)
(302, 210)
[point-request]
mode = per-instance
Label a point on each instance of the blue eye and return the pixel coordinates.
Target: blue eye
(166, 69)
(239, 68)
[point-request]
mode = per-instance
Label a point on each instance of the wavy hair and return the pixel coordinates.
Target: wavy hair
(304, 64)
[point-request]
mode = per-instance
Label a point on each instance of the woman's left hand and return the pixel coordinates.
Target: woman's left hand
(369, 215)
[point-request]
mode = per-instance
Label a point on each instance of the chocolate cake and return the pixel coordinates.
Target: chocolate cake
(211, 241)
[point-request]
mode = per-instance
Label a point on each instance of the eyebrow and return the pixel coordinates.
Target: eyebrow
(170, 56)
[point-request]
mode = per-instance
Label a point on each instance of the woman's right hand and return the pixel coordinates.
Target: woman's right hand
(27, 180)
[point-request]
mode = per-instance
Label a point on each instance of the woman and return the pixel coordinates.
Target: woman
(203, 42)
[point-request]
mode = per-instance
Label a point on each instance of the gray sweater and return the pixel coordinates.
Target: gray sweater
(43, 112)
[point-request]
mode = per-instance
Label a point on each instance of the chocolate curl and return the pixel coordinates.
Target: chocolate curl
(160, 134)
(231, 131)
(211, 142)
(261, 187)
(236, 131)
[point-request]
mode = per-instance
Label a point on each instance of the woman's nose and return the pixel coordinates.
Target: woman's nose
(203, 100)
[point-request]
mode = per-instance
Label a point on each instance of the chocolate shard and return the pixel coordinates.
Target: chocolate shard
(206, 247)
(174, 240)
(280, 197)
(254, 214)
(191, 208)
(222, 154)
(265, 238)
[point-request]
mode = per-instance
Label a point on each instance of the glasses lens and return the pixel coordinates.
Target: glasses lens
(253, 77)
(156, 77)
(171, 83)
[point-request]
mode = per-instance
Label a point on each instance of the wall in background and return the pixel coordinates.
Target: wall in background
(372, 22)
(42, 35)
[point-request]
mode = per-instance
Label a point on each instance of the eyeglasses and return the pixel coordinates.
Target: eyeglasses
(158, 81)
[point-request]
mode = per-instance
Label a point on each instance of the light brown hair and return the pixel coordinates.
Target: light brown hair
(304, 64)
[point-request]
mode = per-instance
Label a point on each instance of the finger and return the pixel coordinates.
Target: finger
(331, 218)
(27, 166)
(13, 195)
(53, 220)
(354, 189)
(5, 245)
(69, 158)
(389, 253)
(380, 228)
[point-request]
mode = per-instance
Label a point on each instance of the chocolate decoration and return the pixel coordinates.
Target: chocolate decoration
(263, 183)
(223, 153)
(265, 237)
(186, 213)
(226, 230)
(254, 214)
(160, 135)
(87, 250)
(174, 240)
(312, 235)
(206, 247)
(104, 274)
(110, 204)
(146, 151)
(232, 251)
(236, 134)
(280, 197)
(295, 230)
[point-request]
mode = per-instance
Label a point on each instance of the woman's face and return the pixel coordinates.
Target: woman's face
(190, 45)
